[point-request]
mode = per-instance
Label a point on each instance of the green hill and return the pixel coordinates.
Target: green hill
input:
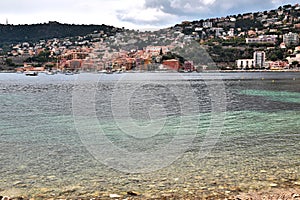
(10, 34)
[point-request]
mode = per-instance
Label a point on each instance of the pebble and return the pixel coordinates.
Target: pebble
(132, 193)
(18, 183)
(273, 185)
(114, 196)
(167, 195)
(152, 186)
(297, 183)
(45, 190)
(296, 195)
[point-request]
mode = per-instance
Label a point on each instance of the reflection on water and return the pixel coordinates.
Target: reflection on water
(41, 151)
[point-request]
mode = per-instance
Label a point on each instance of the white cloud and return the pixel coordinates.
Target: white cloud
(126, 13)
(144, 16)
(207, 2)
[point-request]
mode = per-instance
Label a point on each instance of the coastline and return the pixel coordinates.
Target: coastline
(266, 194)
(204, 71)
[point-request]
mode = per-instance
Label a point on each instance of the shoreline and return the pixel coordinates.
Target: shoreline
(266, 194)
(206, 71)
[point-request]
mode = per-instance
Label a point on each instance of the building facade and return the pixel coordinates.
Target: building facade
(259, 59)
(263, 39)
(245, 63)
(172, 64)
(291, 39)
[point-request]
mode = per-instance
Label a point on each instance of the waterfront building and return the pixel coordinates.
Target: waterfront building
(245, 63)
(172, 64)
(293, 58)
(189, 66)
(259, 59)
(278, 65)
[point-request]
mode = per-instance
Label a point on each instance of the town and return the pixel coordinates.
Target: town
(267, 40)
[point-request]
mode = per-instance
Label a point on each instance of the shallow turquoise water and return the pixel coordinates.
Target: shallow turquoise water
(42, 151)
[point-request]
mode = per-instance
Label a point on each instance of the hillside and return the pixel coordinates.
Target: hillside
(226, 40)
(10, 34)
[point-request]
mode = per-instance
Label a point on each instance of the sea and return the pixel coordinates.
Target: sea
(150, 135)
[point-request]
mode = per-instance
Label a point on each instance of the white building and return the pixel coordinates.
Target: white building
(207, 24)
(291, 39)
(263, 39)
(245, 63)
(294, 58)
(259, 59)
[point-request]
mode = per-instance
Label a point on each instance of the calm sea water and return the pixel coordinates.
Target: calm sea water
(165, 122)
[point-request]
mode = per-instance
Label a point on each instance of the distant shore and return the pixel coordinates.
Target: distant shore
(205, 71)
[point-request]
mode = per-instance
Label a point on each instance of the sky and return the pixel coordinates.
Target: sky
(131, 14)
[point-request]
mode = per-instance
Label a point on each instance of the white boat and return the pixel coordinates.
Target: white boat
(102, 71)
(109, 72)
(50, 73)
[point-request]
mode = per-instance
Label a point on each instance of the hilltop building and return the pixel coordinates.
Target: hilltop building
(291, 39)
(263, 39)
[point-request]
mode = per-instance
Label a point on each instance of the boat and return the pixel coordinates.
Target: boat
(109, 72)
(69, 73)
(102, 71)
(31, 73)
(120, 71)
(50, 73)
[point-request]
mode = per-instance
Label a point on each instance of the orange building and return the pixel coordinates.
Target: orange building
(172, 64)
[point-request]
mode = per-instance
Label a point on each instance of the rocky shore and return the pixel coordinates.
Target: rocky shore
(269, 194)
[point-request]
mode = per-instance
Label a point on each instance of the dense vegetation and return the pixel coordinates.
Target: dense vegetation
(10, 34)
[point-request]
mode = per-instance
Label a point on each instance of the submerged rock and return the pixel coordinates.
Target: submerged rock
(132, 193)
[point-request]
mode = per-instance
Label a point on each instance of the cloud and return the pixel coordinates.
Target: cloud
(165, 12)
(129, 13)
(143, 16)
(210, 8)
(154, 16)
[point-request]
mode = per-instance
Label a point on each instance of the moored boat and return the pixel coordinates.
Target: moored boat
(69, 73)
(31, 73)
(50, 73)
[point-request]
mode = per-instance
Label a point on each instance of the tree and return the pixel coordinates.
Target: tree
(295, 64)
(161, 52)
(9, 62)
(273, 57)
